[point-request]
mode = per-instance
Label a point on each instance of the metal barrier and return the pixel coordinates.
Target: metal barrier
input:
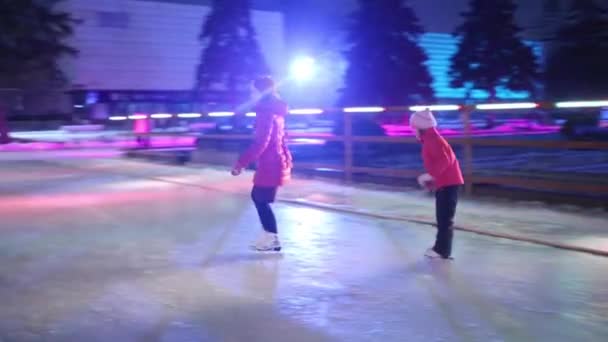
(545, 180)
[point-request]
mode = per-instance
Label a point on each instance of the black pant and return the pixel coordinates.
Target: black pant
(262, 197)
(446, 200)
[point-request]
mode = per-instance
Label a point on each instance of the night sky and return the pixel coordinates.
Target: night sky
(308, 23)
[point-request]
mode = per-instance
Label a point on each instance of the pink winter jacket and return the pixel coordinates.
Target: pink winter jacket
(273, 158)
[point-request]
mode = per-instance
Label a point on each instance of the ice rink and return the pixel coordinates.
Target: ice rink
(87, 255)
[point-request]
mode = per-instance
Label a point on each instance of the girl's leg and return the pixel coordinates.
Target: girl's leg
(446, 201)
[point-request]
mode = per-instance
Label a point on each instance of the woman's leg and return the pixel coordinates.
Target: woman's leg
(267, 218)
(262, 198)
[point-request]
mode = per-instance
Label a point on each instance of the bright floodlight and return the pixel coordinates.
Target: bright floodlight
(302, 69)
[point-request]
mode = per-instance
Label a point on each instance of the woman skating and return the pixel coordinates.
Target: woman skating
(273, 159)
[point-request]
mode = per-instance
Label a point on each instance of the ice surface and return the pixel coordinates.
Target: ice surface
(88, 253)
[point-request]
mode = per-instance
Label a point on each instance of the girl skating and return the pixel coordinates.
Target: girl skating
(443, 175)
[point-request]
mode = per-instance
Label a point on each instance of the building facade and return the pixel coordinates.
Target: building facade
(149, 49)
(142, 53)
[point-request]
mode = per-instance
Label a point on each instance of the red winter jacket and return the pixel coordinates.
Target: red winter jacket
(440, 160)
(273, 158)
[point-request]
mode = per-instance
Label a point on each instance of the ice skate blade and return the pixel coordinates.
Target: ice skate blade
(275, 249)
(439, 258)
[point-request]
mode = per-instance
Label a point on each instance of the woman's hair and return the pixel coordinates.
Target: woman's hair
(264, 84)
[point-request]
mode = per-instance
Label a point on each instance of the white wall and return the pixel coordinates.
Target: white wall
(150, 45)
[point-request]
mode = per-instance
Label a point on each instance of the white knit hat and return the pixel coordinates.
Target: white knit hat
(423, 120)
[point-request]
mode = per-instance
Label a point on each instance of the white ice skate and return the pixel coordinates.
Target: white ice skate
(268, 242)
(430, 253)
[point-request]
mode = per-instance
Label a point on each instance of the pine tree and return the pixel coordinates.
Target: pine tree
(32, 40)
(578, 66)
(386, 64)
(490, 53)
(231, 58)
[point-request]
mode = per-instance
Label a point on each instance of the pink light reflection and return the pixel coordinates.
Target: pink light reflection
(60, 201)
(156, 141)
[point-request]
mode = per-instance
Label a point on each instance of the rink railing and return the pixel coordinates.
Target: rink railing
(466, 140)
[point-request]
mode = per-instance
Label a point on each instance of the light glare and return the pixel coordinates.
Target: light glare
(498, 106)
